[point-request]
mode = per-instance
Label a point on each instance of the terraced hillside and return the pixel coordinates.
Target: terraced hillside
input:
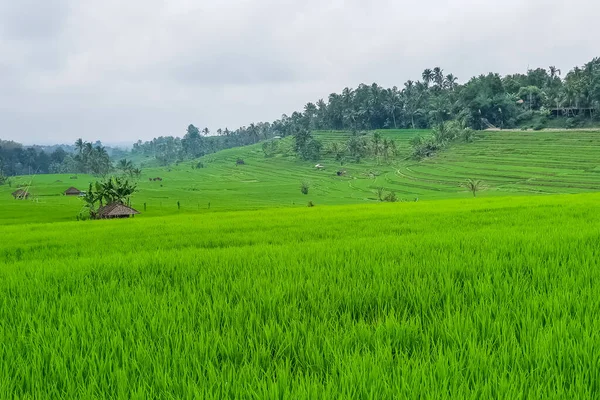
(509, 163)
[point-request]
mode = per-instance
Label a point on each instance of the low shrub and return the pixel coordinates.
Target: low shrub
(304, 187)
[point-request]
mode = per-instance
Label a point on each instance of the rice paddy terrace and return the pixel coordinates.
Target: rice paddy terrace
(514, 161)
(508, 162)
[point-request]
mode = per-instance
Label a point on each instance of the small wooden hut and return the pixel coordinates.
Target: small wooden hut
(20, 194)
(72, 191)
(115, 210)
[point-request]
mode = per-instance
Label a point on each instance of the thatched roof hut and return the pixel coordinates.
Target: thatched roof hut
(20, 194)
(115, 210)
(72, 191)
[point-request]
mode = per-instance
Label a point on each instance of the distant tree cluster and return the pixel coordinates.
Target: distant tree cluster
(85, 158)
(82, 157)
(90, 159)
(442, 136)
(18, 160)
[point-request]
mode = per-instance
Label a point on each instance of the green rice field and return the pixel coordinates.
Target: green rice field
(243, 292)
(469, 298)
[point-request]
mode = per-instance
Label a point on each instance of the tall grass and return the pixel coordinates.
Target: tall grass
(486, 298)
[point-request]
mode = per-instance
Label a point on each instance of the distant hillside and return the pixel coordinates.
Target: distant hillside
(508, 163)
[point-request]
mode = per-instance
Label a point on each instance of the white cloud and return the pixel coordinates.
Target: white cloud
(125, 70)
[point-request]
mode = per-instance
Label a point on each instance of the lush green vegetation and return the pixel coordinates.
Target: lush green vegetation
(470, 298)
(508, 163)
(82, 157)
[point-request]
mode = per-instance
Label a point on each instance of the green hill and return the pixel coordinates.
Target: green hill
(508, 162)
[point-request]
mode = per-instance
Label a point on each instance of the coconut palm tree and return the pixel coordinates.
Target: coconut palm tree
(438, 77)
(79, 145)
(450, 82)
(427, 76)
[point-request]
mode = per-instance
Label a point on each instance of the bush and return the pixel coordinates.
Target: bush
(570, 123)
(468, 135)
(391, 197)
(311, 204)
(239, 161)
(304, 187)
(380, 193)
(538, 126)
(199, 165)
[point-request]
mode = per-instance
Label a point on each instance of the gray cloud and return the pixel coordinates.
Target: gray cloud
(126, 70)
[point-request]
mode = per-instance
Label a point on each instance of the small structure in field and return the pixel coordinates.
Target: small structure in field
(72, 191)
(319, 166)
(21, 194)
(115, 210)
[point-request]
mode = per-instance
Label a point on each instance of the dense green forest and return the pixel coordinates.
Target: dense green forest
(537, 99)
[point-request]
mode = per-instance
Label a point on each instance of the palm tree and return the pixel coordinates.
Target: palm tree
(79, 145)
(438, 77)
(392, 103)
(254, 133)
(125, 165)
(427, 76)
(450, 82)
(114, 190)
(473, 185)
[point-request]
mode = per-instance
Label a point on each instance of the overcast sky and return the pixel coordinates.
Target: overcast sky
(121, 70)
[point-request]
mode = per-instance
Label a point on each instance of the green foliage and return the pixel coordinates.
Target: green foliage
(474, 186)
(306, 146)
(443, 135)
(533, 97)
(88, 159)
(270, 148)
(128, 169)
(304, 187)
(380, 193)
(391, 197)
(112, 190)
(384, 196)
